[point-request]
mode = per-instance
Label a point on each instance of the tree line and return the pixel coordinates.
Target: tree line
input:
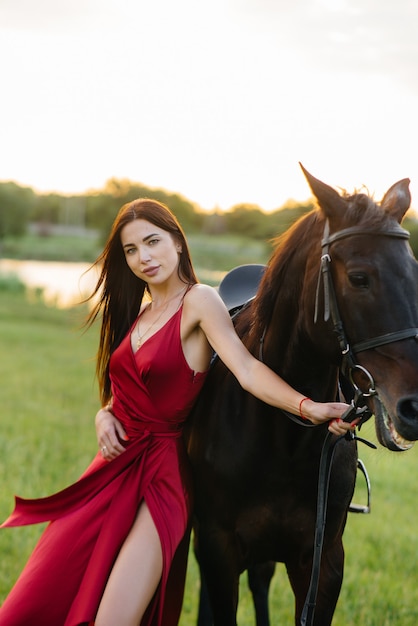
(21, 206)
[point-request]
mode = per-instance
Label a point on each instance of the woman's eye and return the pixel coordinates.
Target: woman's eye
(359, 280)
(152, 242)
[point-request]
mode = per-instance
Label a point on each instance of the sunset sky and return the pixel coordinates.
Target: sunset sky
(216, 100)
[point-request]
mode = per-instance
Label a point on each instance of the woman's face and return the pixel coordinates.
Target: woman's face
(151, 252)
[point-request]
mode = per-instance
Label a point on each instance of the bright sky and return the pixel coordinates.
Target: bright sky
(218, 100)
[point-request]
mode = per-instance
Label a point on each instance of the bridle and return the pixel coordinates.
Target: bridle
(348, 352)
(349, 366)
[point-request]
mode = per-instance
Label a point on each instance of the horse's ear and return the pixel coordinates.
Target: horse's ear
(329, 200)
(397, 199)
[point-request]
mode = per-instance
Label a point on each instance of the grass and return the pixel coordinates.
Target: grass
(48, 402)
(49, 399)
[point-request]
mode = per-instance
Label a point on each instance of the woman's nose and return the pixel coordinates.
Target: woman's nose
(144, 254)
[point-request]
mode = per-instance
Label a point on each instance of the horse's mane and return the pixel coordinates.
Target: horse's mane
(291, 251)
(362, 210)
(288, 247)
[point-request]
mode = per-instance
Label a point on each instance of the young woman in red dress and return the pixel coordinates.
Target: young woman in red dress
(115, 551)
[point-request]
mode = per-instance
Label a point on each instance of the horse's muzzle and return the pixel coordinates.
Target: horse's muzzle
(397, 432)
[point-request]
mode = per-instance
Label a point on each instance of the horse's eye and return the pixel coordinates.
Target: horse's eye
(359, 280)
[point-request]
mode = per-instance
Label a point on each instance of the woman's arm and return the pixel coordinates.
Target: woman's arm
(253, 375)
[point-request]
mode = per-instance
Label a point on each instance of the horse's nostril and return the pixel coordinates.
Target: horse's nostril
(405, 420)
(408, 411)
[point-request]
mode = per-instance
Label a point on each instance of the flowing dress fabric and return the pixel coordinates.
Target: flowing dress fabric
(153, 392)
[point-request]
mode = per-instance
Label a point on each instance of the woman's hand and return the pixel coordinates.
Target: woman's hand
(109, 432)
(320, 412)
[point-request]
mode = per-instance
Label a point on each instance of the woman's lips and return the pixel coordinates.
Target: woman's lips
(151, 271)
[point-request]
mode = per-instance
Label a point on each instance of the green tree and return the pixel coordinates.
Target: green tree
(102, 206)
(15, 206)
(410, 223)
(247, 219)
(281, 219)
(47, 209)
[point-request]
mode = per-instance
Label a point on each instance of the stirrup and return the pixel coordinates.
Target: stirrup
(361, 508)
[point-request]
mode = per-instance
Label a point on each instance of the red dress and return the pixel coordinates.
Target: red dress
(153, 391)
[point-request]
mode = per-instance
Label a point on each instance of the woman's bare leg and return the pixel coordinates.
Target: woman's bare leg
(135, 575)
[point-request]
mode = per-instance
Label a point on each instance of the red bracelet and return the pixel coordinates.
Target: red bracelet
(300, 408)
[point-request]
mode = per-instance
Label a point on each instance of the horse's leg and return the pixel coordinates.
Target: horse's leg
(218, 564)
(259, 579)
(332, 570)
(330, 581)
(204, 616)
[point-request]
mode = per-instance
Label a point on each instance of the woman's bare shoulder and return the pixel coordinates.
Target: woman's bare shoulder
(201, 295)
(201, 289)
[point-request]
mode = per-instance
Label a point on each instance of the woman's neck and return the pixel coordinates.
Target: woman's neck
(162, 297)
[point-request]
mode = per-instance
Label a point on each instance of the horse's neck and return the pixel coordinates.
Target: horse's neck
(288, 343)
(298, 362)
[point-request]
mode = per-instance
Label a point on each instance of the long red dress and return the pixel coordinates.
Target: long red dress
(153, 391)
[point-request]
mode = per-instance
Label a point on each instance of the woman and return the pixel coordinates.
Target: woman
(115, 552)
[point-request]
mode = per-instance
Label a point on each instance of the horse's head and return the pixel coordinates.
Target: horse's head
(368, 263)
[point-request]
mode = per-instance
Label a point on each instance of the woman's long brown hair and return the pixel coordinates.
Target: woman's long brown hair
(118, 290)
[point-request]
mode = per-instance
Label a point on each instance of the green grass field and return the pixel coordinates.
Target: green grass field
(48, 402)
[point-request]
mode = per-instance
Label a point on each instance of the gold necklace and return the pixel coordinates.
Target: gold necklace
(141, 337)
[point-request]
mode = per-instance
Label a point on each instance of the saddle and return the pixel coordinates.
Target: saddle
(239, 286)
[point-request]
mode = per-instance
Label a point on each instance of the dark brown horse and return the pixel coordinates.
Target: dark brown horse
(341, 283)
